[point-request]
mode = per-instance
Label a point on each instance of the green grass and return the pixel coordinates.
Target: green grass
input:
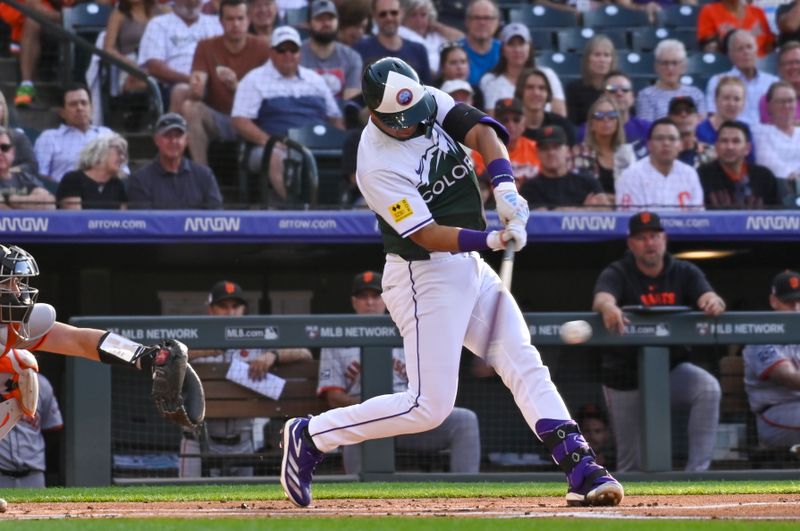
(380, 490)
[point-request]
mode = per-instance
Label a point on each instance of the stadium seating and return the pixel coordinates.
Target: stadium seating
(565, 65)
(612, 16)
(679, 16)
(637, 64)
(769, 63)
(87, 21)
(542, 17)
(325, 143)
(575, 39)
(646, 39)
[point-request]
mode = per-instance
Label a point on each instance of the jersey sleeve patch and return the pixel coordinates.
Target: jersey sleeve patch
(401, 210)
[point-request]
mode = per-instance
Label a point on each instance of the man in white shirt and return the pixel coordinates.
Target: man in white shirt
(660, 180)
(743, 53)
(167, 48)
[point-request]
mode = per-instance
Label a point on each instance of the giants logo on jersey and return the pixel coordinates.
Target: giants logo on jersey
(443, 165)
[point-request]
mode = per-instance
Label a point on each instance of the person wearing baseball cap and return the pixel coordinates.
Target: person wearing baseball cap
(459, 89)
(557, 185)
(521, 151)
(339, 64)
(772, 375)
(172, 181)
(682, 111)
(517, 54)
(645, 278)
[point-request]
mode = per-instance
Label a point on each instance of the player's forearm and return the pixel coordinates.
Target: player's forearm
(293, 355)
(437, 238)
(71, 341)
(485, 141)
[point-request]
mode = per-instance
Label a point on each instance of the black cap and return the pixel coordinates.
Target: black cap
(171, 120)
(505, 105)
(367, 280)
(321, 7)
(644, 221)
(680, 104)
(551, 134)
(786, 286)
(226, 290)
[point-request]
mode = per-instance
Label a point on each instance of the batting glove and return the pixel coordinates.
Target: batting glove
(510, 205)
(515, 233)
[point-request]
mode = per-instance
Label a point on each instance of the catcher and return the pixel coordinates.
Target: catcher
(26, 325)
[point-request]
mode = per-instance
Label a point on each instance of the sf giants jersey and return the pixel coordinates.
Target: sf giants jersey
(340, 369)
(412, 183)
(759, 361)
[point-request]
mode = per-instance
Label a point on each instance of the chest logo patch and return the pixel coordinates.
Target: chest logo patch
(400, 210)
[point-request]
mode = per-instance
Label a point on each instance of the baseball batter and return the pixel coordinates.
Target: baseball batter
(416, 177)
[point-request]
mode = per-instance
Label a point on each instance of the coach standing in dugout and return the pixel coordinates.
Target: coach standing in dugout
(647, 276)
(418, 180)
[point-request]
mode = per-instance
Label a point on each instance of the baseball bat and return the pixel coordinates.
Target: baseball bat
(507, 267)
(506, 273)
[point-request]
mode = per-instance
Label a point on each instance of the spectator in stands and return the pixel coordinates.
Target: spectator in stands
(789, 71)
(778, 143)
(96, 184)
(22, 450)
(124, 31)
(420, 18)
(729, 98)
(717, 19)
(660, 180)
(337, 63)
(57, 149)
(594, 426)
(604, 153)
(233, 435)
(517, 54)
(742, 53)
(171, 181)
(787, 18)
(19, 188)
(618, 86)
(521, 151)
(277, 96)
(454, 65)
(353, 21)
(533, 89)
(683, 113)
(167, 48)
(388, 42)
(460, 90)
(24, 158)
(649, 276)
(483, 50)
(772, 374)
(599, 58)
(652, 101)
(219, 64)
(729, 181)
(263, 15)
(556, 186)
(340, 386)
(30, 46)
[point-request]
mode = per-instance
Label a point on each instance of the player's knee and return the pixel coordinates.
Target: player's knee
(432, 415)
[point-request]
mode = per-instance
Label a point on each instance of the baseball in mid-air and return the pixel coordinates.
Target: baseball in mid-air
(575, 332)
(3, 505)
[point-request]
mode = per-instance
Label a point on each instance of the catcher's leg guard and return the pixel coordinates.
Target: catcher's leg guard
(10, 413)
(24, 384)
(589, 483)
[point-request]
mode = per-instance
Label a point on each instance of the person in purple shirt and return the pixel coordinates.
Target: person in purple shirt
(618, 86)
(387, 42)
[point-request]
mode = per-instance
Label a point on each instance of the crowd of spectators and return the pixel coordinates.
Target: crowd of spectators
(235, 70)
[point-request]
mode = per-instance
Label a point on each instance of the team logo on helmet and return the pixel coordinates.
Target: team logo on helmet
(405, 96)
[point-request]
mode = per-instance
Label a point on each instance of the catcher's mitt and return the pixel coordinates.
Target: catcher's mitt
(177, 390)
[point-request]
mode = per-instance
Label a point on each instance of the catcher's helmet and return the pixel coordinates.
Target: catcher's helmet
(16, 301)
(393, 92)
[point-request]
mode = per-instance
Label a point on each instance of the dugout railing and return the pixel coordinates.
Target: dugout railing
(88, 398)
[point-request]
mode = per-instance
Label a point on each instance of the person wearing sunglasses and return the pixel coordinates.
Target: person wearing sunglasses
(387, 14)
(652, 102)
(660, 180)
(521, 151)
(604, 152)
(25, 158)
(19, 189)
(618, 86)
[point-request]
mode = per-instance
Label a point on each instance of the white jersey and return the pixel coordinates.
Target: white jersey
(642, 186)
(409, 184)
(759, 361)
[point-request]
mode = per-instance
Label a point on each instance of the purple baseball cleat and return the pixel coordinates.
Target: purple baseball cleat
(589, 483)
(300, 458)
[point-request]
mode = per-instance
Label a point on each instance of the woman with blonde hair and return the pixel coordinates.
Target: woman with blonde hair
(25, 159)
(730, 98)
(599, 58)
(96, 184)
(604, 152)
